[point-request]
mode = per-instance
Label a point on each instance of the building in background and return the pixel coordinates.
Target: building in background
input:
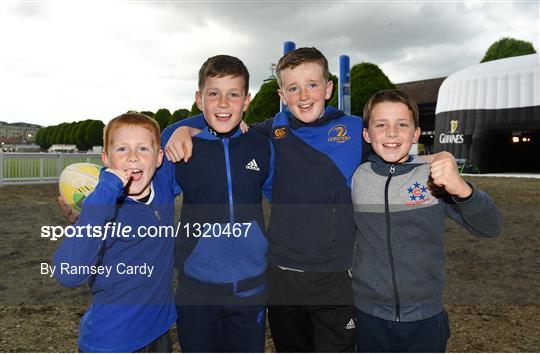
(424, 93)
(63, 148)
(17, 133)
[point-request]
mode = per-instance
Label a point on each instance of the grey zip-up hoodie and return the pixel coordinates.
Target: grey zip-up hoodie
(398, 263)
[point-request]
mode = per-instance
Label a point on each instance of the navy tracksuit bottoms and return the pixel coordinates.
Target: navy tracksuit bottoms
(221, 328)
(375, 335)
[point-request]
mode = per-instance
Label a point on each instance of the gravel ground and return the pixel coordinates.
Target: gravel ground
(492, 290)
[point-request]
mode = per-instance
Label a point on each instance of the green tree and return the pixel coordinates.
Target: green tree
(66, 132)
(70, 134)
(47, 137)
(55, 134)
(333, 101)
(162, 116)
(194, 110)
(62, 136)
(41, 138)
(38, 137)
(178, 115)
(265, 104)
(80, 133)
(507, 47)
(93, 135)
(366, 79)
(148, 113)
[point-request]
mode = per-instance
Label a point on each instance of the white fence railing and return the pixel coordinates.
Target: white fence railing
(32, 168)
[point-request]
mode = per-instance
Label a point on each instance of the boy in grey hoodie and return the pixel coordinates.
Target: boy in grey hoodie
(398, 265)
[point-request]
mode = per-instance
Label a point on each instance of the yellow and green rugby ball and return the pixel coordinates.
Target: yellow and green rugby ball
(77, 181)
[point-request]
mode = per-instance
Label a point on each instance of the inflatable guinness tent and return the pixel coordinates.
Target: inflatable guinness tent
(489, 115)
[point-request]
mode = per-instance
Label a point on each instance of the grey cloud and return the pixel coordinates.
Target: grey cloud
(377, 32)
(410, 40)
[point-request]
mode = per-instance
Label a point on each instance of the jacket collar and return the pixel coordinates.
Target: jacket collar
(381, 167)
(209, 134)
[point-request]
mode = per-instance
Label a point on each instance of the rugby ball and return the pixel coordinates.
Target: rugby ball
(77, 181)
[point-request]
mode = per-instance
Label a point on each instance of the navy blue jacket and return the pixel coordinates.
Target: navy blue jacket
(128, 311)
(222, 185)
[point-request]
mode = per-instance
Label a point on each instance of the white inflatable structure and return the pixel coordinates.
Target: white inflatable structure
(489, 114)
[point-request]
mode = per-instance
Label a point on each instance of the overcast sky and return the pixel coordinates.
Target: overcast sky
(63, 61)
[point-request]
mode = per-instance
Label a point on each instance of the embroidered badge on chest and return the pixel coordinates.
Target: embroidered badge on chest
(280, 132)
(338, 133)
(418, 194)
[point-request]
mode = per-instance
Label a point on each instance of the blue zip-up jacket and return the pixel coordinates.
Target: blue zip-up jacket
(128, 311)
(221, 186)
(311, 226)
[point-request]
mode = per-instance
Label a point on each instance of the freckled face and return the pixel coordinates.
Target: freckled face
(304, 90)
(132, 148)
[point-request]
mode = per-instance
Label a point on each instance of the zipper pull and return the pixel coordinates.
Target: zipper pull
(392, 169)
(157, 215)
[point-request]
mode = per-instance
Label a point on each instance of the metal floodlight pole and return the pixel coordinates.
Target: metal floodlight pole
(344, 86)
(288, 46)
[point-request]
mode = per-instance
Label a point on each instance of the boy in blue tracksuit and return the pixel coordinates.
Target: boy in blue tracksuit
(221, 248)
(130, 276)
(311, 226)
(398, 273)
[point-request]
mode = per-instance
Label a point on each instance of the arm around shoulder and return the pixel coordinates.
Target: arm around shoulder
(264, 127)
(176, 139)
(196, 122)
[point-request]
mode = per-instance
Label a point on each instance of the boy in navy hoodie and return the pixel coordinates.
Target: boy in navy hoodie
(221, 248)
(130, 276)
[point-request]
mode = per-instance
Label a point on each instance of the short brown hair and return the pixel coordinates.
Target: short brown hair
(300, 56)
(131, 118)
(390, 96)
(223, 65)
